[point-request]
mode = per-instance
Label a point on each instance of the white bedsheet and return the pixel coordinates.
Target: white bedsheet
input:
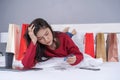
(108, 71)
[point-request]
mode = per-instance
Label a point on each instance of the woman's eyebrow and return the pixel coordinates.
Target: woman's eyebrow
(43, 34)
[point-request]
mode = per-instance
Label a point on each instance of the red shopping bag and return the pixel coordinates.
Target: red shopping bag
(89, 44)
(23, 45)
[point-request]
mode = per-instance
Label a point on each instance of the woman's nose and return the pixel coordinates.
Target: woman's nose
(46, 38)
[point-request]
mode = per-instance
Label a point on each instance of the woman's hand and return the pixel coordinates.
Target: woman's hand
(71, 59)
(31, 33)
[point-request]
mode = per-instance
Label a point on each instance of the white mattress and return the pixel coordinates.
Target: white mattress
(108, 71)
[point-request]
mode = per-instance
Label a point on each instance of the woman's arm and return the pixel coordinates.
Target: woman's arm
(29, 58)
(73, 49)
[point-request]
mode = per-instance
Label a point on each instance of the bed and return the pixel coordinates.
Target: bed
(107, 70)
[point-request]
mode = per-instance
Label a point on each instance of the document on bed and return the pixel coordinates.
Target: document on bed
(88, 63)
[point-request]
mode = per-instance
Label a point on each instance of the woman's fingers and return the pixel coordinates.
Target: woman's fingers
(71, 60)
(31, 33)
(31, 28)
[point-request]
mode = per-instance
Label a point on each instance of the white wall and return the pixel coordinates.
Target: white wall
(59, 11)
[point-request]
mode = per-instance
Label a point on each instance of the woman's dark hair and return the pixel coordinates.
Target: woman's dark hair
(40, 50)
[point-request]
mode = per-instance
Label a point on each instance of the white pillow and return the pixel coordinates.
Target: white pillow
(79, 40)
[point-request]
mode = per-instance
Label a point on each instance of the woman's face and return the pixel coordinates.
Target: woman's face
(44, 36)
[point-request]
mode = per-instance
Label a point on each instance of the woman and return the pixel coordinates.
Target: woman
(42, 41)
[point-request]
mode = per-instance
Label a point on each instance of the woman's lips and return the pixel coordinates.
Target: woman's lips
(49, 42)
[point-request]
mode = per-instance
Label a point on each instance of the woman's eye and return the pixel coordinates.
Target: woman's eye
(46, 34)
(39, 38)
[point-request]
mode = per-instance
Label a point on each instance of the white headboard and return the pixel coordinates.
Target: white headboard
(101, 27)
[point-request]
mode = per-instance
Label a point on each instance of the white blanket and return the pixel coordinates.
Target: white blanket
(59, 63)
